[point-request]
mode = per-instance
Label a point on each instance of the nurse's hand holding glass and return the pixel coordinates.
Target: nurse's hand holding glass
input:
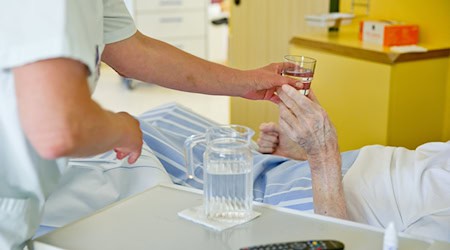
(300, 68)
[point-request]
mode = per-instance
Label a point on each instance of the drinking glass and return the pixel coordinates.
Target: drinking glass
(301, 68)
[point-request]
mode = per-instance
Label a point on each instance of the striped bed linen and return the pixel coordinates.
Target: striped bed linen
(277, 180)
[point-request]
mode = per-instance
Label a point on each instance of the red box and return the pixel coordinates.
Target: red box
(388, 33)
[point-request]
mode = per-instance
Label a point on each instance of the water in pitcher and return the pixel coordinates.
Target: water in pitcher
(228, 194)
(227, 172)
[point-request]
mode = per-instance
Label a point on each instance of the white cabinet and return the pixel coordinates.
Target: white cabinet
(182, 23)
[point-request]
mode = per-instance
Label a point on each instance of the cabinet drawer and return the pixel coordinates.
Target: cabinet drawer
(175, 24)
(195, 46)
(151, 5)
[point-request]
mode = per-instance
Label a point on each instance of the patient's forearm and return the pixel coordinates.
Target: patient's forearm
(328, 191)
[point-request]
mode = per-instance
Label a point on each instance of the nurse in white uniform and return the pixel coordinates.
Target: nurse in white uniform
(32, 32)
(50, 53)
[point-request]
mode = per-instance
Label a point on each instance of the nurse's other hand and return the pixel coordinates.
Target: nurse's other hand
(131, 143)
(306, 122)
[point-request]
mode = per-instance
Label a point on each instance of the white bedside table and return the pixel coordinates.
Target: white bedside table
(149, 220)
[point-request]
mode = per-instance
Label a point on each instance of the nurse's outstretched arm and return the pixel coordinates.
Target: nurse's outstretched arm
(307, 123)
(149, 60)
(61, 120)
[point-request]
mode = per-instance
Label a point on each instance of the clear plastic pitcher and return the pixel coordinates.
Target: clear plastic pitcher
(227, 171)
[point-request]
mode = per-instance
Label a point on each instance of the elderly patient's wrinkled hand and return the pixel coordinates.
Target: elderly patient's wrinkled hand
(306, 122)
(272, 140)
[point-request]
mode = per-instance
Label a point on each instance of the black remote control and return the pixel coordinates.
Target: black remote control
(300, 245)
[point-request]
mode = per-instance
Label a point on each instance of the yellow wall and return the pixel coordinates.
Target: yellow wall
(259, 34)
(433, 17)
(419, 94)
(447, 113)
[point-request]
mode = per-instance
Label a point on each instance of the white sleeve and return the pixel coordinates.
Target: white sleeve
(407, 187)
(118, 24)
(31, 31)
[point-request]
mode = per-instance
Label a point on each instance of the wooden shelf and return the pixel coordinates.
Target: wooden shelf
(347, 44)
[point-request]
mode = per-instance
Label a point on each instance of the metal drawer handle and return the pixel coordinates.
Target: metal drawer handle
(170, 2)
(171, 20)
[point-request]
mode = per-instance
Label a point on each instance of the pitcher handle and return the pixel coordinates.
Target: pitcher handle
(189, 145)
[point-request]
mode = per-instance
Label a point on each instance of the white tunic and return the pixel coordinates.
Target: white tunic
(31, 31)
(408, 187)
